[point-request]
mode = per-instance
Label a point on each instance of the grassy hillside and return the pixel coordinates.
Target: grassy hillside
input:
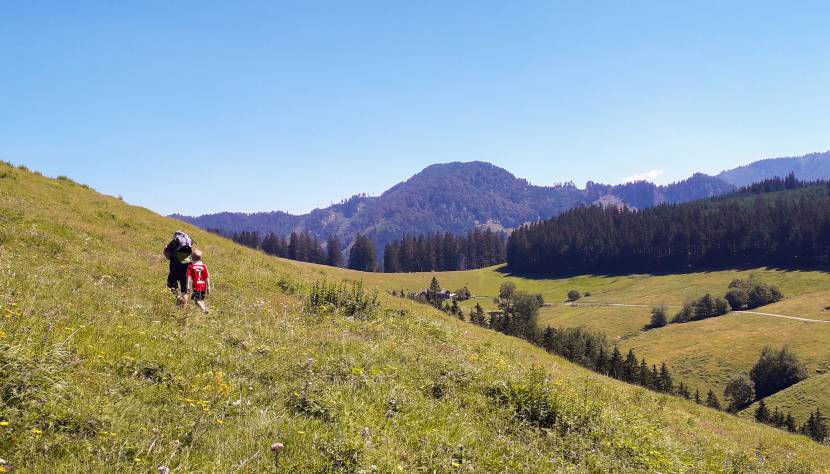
(800, 399)
(99, 372)
(704, 353)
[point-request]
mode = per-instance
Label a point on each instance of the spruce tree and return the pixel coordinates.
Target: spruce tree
(666, 382)
(789, 423)
(601, 363)
(645, 375)
(362, 255)
(654, 378)
(630, 367)
(334, 256)
(455, 310)
(615, 363)
(712, 400)
(762, 412)
(477, 315)
(697, 397)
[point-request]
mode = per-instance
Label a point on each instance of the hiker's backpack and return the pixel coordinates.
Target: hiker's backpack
(182, 246)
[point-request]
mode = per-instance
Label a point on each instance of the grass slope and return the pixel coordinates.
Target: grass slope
(704, 353)
(99, 372)
(800, 399)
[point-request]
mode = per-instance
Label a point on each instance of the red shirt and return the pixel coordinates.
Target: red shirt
(198, 272)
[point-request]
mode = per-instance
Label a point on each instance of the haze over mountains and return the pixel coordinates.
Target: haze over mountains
(456, 197)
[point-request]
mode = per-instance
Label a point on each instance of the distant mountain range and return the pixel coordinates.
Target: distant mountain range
(456, 197)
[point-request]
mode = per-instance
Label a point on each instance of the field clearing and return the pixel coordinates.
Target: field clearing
(810, 305)
(704, 353)
(117, 379)
(616, 322)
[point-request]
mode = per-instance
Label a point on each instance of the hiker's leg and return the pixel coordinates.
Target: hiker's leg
(201, 305)
(173, 285)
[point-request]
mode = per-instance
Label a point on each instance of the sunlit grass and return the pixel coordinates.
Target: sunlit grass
(108, 376)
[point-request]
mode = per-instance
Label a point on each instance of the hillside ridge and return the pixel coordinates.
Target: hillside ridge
(111, 376)
(456, 197)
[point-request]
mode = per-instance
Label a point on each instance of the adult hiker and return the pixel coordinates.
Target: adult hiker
(178, 253)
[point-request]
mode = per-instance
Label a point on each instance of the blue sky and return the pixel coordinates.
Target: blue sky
(291, 106)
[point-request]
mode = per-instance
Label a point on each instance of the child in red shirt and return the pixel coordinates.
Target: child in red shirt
(198, 280)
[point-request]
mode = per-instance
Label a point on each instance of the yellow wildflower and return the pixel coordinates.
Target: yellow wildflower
(36, 431)
(4, 423)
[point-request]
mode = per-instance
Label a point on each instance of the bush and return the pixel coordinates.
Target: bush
(659, 317)
(740, 393)
(751, 293)
(351, 300)
(776, 370)
(463, 294)
(573, 295)
(707, 306)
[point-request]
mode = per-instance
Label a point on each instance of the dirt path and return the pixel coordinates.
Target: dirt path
(795, 318)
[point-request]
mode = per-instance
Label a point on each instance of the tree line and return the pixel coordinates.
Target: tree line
(777, 222)
(300, 246)
(304, 247)
(412, 253)
(444, 252)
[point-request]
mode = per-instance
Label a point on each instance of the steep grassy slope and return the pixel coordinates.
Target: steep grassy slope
(100, 373)
(705, 353)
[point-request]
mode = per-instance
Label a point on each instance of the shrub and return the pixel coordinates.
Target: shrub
(659, 317)
(707, 306)
(738, 298)
(739, 391)
(776, 370)
(752, 293)
(507, 290)
(532, 399)
(574, 295)
(351, 300)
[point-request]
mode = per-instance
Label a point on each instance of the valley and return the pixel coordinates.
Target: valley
(703, 353)
(109, 375)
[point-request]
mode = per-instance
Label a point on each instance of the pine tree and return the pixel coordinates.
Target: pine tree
(712, 400)
(789, 423)
(645, 375)
(334, 256)
(762, 412)
(666, 382)
(630, 367)
(362, 255)
(433, 291)
(777, 418)
(615, 363)
(477, 315)
(602, 361)
(455, 310)
(697, 397)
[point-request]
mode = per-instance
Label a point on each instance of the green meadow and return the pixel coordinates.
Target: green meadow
(100, 372)
(706, 354)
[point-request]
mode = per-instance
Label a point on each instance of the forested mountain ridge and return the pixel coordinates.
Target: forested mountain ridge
(457, 197)
(777, 222)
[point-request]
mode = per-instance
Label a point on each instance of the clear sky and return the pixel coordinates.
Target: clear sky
(290, 106)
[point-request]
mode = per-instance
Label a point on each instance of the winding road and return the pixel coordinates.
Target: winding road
(795, 318)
